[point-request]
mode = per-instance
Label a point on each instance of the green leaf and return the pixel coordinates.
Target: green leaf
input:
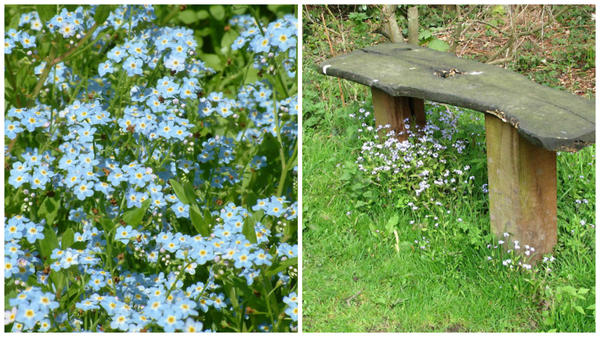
(579, 309)
(49, 210)
(228, 39)
(46, 12)
(190, 193)
(204, 32)
(437, 44)
(249, 230)
(202, 14)
(58, 278)
(498, 10)
(11, 294)
(425, 34)
(391, 224)
(102, 13)
(188, 16)
(48, 243)
(213, 61)
(217, 11)
(179, 191)
(240, 9)
(79, 245)
(583, 291)
(135, 216)
(280, 10)
(232, 296)
(199, 222)
(14, 18)
(283, 266)
(569, 290)
(107, 224)
(71, 297)
(68, 238)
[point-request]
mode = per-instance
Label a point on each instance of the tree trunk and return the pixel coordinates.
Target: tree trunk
(389, 24)
(413, 25)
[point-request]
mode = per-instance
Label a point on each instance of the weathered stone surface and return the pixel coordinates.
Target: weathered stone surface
(546, 117)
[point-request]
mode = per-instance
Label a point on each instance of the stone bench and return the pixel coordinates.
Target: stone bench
(526, 123)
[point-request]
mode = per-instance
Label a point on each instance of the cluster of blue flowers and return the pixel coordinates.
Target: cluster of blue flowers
(18, 262)
(120, 140)
(292, 305)
(278, 38)
(32, 307)
(13, 37)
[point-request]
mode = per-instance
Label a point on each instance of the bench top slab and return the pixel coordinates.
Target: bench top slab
(553, 119)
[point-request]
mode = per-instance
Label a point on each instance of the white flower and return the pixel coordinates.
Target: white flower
(9, 316)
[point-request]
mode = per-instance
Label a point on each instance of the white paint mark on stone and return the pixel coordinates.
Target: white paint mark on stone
(325, 68)
(412, 68)
(375, 81)
(476, 73)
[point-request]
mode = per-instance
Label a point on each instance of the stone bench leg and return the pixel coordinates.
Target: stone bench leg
(394, 110)
(522, 188)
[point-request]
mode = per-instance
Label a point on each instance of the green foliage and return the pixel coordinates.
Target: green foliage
(49, 209)
(48, 243)
(179, 191)
(134, 217)
(189, 16)
(67, 238)
(572, 304)
(439, 45)
(200, 221)
(359, 19)
(102, 13)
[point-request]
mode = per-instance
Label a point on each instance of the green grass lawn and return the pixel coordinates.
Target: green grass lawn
(437, 274)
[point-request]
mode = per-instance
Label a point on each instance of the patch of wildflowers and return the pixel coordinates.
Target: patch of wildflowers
(138, 119)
